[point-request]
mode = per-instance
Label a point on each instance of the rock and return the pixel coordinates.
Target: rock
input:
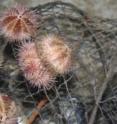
(94, 46)
(101, 8)
(67, 110)
(73, 110)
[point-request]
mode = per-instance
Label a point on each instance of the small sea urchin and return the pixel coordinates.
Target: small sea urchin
(57, 53)
(8, 110)
(18, 23)
(35, 70)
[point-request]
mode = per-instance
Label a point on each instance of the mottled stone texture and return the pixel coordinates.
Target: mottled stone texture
(103, 8)
(94, 45)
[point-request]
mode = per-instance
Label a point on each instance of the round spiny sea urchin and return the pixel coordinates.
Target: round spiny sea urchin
(35, 70)
(18, 23)
(57, 53)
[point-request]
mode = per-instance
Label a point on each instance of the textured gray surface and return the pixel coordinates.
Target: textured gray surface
(103, 8)
(94, 46)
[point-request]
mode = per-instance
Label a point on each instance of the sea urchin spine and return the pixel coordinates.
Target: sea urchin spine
(18, 23)
(37, 72)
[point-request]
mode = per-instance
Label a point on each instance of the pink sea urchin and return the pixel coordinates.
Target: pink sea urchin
(18, 23)
(57, 53)
(35, 70)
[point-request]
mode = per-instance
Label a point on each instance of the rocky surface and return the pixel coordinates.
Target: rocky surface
(94, 46)
(102, 8)
(69, 110)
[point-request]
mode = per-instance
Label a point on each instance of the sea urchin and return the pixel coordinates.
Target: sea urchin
(8, 110)
(57, 53)
(18, 23)
(35, 70)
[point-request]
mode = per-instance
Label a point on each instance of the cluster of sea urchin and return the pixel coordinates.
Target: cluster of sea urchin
(39, 63)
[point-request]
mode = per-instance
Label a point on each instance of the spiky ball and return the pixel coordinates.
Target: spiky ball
(57, 53)
(8, 110)
(35, 70)
(18, 23)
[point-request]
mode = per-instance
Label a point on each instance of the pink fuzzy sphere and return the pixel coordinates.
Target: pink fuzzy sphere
(33, 68)
(18, 23)
(57, 53)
